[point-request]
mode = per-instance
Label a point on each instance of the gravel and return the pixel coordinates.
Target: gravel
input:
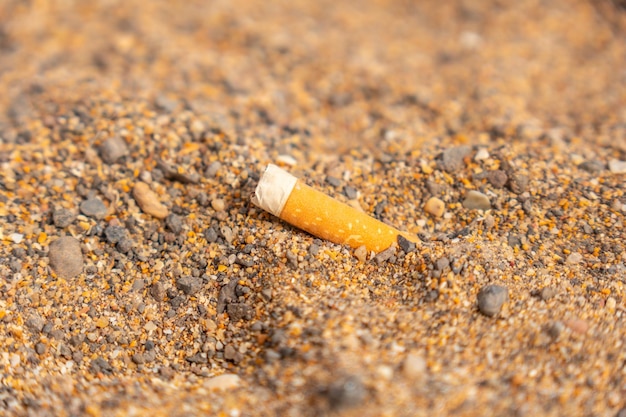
(66, 257)
(491, 298)
(475, 200)
(93, 207)
(112, 149)
(63, 218)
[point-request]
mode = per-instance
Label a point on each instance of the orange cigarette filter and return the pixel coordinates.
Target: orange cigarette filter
(290, 199)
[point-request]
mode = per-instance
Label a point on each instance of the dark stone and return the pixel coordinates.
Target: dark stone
(62, 218)
(350, 192)
(518, 183)
(189, 285)
(491, 298)
(115, 234)
(497, 178)
(452, 159)
(592, 166)
(100, 365)
(174, 222)
(406, 245)
(335, 182)
(347, 392)
(239, 311)
(93, 207)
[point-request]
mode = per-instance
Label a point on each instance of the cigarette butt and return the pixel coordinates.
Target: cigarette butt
(290, 199)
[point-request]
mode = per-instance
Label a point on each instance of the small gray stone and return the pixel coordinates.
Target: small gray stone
(518, 183)
(113, 149)
(350, 192)
(239, 311)
(210, 234)
(547, 293)
(442, 264)
(138, 358)
(229, 352)
(491, 298)
(212, 170)
(335, 182)
(497, 178)
(40, 348)
(385, 255)
(475, 200)
(346, 392)
(62, 218)
(35, 323)
(189, 285)
(592, 166)
(66, 257)
(452, 159)
(157, 291)
(125, 245)
(314, 249)
(174, 222)
(93, 207)
(115, 234)
(406, 245)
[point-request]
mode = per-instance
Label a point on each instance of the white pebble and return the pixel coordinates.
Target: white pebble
(617, 167)
(481, 155)
(17, 237)
(574, 258)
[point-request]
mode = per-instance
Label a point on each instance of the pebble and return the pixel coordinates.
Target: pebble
(555, 329)
(610, 304)
(113, 149)
(574, 258)
(361, 253)
(333, 181)
(66, 257)
(347, 392)
(475, 200)
(189, 285)
(406, 245)
(579, 326)
(452, 159)
(547, 293)
(518, 183)
(212, 170)
(218, 204)
(592, 166)
(414, 366)
(491, 298)
(93, 207)
(497, 178)
(386, 254)
(210, 234)
(115, 234)
(239, 311)
(350, 192)
(174, 223)
(62, 218)
(227, 233)
(16, 237)
(148, 201)
(617, 167)
(435, 207)
(481, 155)
(223, 382)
